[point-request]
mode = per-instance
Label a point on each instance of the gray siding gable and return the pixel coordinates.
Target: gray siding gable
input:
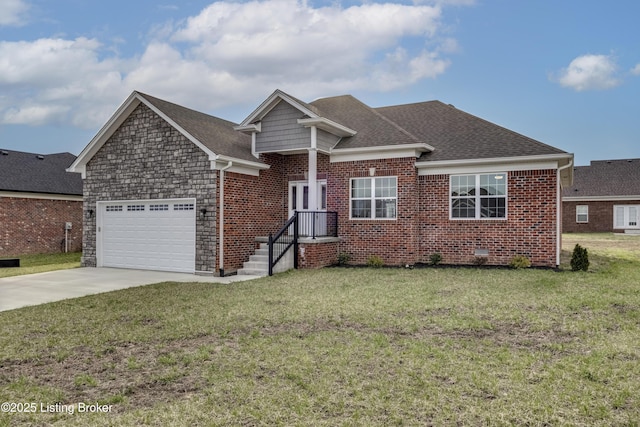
(281, 131)
(326, 141)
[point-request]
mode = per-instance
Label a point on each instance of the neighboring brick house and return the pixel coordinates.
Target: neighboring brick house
(604, 197)
(37, 200)
(170, 188)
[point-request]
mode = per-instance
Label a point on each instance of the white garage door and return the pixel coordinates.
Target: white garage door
(149, 235)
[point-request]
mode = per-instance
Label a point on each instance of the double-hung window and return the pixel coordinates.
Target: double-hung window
(374, 198)
(582, 213)
(478, 196)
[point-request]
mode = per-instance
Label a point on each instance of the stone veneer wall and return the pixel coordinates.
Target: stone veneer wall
(145, 159)
(36, 226)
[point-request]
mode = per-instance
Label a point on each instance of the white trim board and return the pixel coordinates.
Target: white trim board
(42, 196)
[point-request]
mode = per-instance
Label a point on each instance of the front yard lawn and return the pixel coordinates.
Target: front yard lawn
(40, 263)
(339, 347)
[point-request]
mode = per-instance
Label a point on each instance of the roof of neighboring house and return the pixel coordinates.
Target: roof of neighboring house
(456, 135)
(216, 134)
(604, 178)
(34, 173)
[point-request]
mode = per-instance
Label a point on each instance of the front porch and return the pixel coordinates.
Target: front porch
(309, 239)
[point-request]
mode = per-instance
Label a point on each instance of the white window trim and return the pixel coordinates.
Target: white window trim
(477, 196)
(372, 199)
(586, 208)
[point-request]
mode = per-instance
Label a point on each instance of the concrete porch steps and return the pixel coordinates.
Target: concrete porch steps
(258, 264)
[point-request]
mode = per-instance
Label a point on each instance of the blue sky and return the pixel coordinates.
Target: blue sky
(566, 73)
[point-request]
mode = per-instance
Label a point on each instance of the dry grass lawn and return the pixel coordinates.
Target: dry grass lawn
(341, 346)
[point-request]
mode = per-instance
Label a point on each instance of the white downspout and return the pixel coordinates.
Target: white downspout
(559, 212)
(221, 220)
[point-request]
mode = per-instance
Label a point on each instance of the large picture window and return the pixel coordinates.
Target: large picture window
(479, 196)
(374, 198)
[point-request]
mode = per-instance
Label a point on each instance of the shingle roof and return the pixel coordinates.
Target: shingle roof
(373, 128)
(457, 135)
(33, 173)
(606, 178)
(215, 133)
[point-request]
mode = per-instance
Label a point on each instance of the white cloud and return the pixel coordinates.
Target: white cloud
(590, 72)
(12, 12)
(56, 81)
(636, 70)
(224, 54)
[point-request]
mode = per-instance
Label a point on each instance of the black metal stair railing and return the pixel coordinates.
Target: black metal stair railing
(282, 241)
(302, 224)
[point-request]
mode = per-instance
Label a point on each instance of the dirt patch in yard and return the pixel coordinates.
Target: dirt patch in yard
(143, 375)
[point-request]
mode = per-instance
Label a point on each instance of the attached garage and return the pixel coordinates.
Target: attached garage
(147, 234)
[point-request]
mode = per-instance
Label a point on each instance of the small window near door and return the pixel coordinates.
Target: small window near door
(582, 213)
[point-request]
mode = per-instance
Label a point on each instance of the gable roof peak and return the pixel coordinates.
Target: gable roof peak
(272, 100)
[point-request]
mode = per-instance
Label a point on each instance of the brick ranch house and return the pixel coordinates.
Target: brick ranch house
(171, 188)
(37, 200)
(604, 197)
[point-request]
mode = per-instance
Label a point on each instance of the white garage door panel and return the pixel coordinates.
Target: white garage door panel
(148, 239)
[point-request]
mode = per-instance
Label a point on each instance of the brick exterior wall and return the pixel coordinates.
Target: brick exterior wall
(253, 206)
(394, 240)
(34, 226)
(145, 159)
(600, 216)
(530, 227)
(317, 255)
(422, 226)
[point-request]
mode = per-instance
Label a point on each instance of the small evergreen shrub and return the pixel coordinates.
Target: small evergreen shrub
(579, 259)
(520, 261)
(480, 260)
(343, 258)
(435, 258)
(375, 261)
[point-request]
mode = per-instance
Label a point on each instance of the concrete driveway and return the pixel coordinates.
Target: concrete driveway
(33, 289)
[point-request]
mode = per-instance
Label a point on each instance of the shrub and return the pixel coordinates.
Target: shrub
(580, 259)
(480, 260)
(343, 258)
(435, 258)
(375, 261)
(520, 261)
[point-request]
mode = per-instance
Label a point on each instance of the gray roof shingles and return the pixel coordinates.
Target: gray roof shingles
(373, 129)
(454, 134)
(604, 178)
(216, 134)
(33, 173)
(457, 135)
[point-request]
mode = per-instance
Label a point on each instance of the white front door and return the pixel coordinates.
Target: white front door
(299, 201)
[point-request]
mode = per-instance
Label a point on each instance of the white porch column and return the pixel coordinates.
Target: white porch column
(313, 170)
